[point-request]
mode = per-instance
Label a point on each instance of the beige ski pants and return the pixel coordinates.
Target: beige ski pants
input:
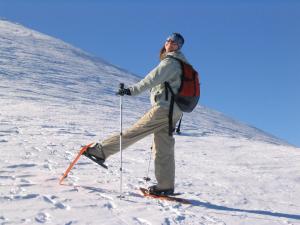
(156, 122)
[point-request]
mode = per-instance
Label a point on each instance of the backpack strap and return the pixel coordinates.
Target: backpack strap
(171, 109)
(172, 100)
(178, 128)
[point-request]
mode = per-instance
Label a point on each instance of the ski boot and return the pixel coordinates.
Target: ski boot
(153, 190)
(95, 153)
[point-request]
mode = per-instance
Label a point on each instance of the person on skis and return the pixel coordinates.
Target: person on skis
(157, 120)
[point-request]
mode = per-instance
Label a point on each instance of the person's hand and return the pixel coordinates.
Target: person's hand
(124, 91)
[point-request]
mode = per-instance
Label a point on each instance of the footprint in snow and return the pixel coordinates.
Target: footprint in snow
(2, 218)
(23, 165)
(57, 204)
(28, 196)
(61, 205)
(42, 217)
(109, 205)
(23, 182)
(212, 220)
(37, 149)
(69, 223)
(48, 166)
(7, 177)
(141, 221)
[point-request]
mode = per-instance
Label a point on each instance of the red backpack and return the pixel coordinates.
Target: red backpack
(189, 92)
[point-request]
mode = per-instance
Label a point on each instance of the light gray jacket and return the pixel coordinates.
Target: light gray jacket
(169, 70)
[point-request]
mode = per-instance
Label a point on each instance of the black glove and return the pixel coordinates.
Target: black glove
(124, 91)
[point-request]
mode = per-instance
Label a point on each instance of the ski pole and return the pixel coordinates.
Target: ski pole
(147, 178)
(121, 152)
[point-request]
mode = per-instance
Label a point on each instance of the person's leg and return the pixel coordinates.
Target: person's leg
(164, 156)
(164, 161)
(155, 119)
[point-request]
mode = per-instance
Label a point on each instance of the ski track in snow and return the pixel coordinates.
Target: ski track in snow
(56, 98)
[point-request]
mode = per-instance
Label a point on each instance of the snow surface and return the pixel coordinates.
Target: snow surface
(55, 98)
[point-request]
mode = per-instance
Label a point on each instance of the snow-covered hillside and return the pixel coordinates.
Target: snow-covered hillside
(55, 97)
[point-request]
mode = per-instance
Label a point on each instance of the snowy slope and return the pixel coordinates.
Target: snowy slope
(55, 97)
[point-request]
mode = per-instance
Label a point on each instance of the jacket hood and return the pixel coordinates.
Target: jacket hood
(178, 55)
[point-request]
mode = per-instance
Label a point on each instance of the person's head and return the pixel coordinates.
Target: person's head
(173, 43)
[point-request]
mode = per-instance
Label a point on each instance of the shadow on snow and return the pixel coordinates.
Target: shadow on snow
(259, 212)
(216, 207)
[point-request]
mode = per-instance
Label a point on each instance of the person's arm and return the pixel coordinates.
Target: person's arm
(158, 75)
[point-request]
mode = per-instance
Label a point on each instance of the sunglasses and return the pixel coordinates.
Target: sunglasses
(171, 41)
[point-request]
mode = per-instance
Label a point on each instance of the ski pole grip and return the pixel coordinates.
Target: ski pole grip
(121, 87)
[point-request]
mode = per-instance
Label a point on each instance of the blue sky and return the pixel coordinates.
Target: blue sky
(247, 52)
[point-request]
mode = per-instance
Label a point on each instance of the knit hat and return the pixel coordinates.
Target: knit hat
(177, 38)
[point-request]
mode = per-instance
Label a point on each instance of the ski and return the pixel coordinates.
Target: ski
(96, 160)
(165, 197)
(81, 151)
